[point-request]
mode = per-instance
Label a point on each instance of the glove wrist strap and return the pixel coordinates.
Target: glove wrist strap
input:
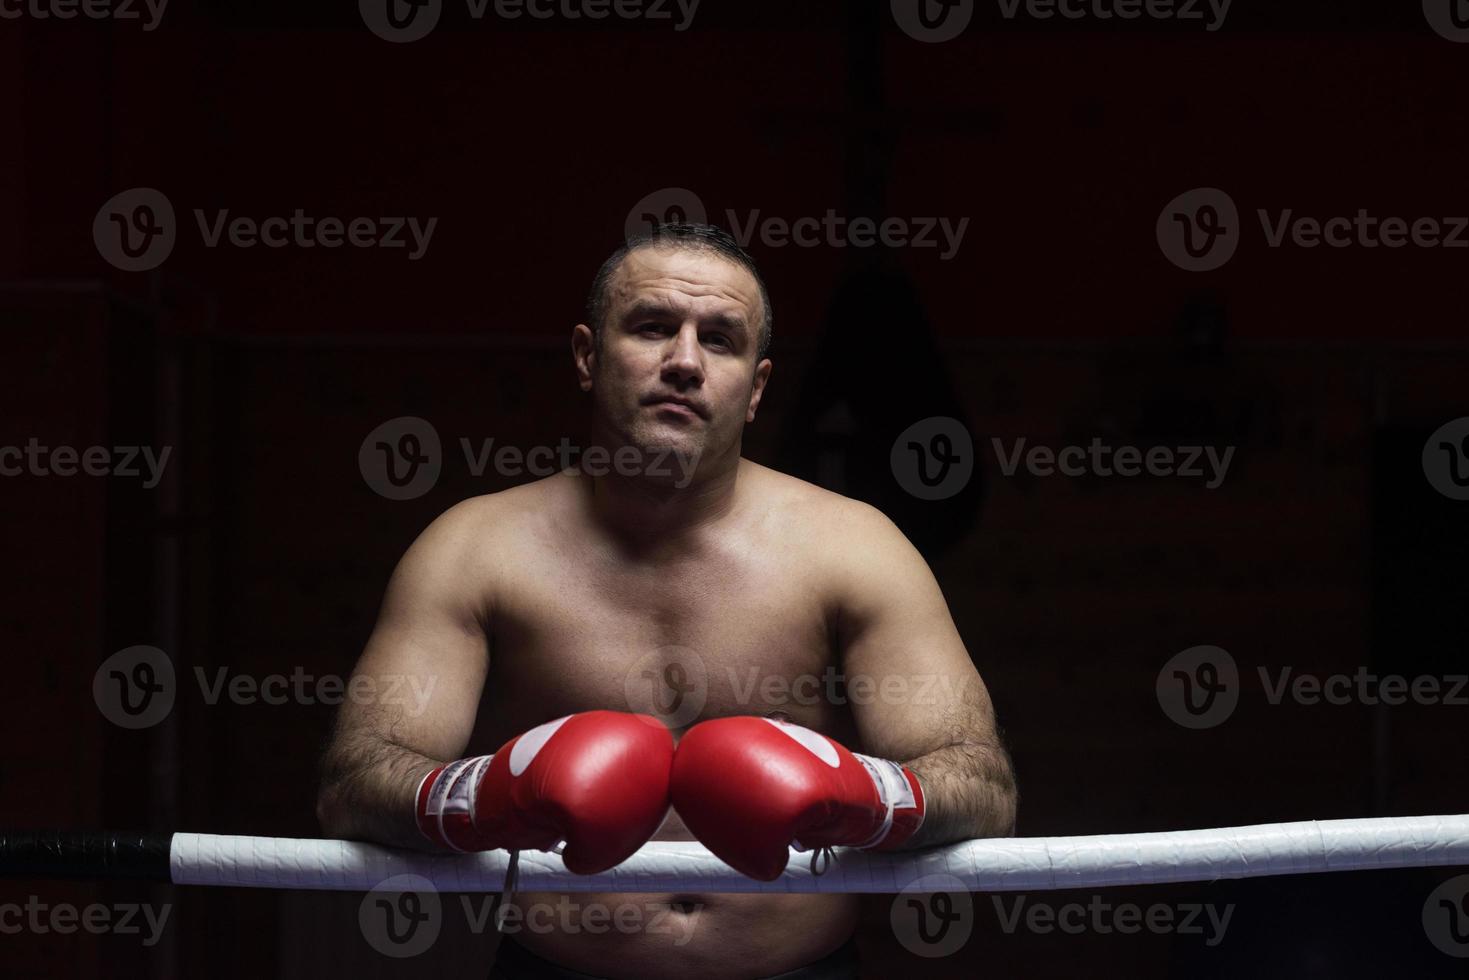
(445, 803)
(901, 798)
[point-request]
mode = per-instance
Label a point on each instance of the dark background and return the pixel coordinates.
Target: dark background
(1059, 319)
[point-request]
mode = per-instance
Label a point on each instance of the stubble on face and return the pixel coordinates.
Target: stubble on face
(681, 325)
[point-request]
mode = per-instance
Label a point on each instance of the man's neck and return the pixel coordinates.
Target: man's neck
(656, 517)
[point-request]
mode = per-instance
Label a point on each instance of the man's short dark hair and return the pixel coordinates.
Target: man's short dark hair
(709, 239)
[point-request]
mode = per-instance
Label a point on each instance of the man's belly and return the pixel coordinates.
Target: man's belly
(680, 934)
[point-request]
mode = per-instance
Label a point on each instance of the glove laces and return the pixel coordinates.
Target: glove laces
(824, 856)
(507, 893)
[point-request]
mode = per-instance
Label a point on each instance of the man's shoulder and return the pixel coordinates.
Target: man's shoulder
(819, 511)
(495, 514)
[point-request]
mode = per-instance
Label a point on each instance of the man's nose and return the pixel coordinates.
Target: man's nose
(685, 358)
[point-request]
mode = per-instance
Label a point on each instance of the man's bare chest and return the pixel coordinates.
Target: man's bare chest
(681, 643)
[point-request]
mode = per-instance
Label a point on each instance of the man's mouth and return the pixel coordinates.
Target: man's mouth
(680, 405)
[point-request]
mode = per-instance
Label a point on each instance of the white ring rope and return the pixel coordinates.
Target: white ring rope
(1004, 864)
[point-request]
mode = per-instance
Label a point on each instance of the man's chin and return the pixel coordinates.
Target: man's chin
(666, 459)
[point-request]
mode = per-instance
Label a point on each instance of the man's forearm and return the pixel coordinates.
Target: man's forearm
(368, 788)
(968, 790)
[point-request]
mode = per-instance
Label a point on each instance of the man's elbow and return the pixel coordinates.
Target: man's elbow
(1009, 793)
(333, 806)
(997, 819)
(328, 810)
(1005, 813)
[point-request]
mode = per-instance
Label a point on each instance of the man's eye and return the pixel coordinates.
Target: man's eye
(720, 340)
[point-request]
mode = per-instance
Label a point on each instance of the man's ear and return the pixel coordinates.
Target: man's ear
(757, 389)
(584, 353)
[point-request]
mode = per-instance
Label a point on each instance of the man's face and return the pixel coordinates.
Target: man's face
(675, 366)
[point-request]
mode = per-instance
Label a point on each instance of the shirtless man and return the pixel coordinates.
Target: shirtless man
(543, 601)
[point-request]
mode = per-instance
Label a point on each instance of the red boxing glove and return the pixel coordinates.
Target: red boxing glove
(596, 780)
(748, 788)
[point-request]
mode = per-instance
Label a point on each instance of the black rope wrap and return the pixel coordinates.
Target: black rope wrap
(83, 854)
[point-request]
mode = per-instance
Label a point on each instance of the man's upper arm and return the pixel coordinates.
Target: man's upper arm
(428, 654)
(912, 685)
